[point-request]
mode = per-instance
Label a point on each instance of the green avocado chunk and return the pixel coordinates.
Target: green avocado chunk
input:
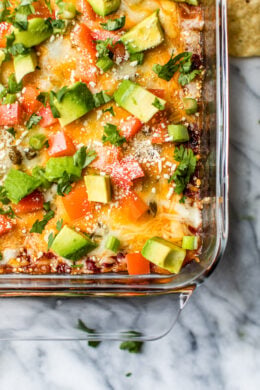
(98, 188)
(72, 245)
(164, 254)
(190, 242)
(104, 7)
(24, 64)
(112, 243)
(178, 133)
(38, 31)
(137, 100)
(76, 102)
(190, 105)
(145, 35)
(18, 185)
(56, 166)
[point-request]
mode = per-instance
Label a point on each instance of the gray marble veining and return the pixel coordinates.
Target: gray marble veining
(215, 344)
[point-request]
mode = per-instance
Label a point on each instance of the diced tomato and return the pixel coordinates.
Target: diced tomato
(76, 202)
(86, 69)
(41, 11)
(133, 206)
(159, 135)
(130, 126)
(87, 13)
(132, 168)
(102, 35)
(30, 203)
(60, 144)
(106, 156)
(6, 224)
(10, 114)
(82, 37)
(137, 264)
(5, 29)
(29, 100)
(118, 51)
(47, 117)
(158, 92)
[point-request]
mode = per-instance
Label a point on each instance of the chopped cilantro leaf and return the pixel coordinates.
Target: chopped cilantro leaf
(158, 104)
(84, 157)
(11, 131)
(13, 86)
(64, 184)
(51, 238)
(111, 134)
(132, 346)
(54, 110)
(59, 224)
(102, 47)
(109, 109)
(114, 24)
(33, 121)
(184, 170)
(187, 78)
(3, 196)
(9, 212)
(39, 226)
(82, 326)
(101, 98)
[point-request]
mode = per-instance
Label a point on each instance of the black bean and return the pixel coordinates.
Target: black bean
(15, 155)
(30, 154)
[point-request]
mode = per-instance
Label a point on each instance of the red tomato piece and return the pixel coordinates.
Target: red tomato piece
(133, 206)
(30, 203)
(124, 172)
(5, 29)
(11, 114)
(76, 202)
(102, 35)
(119, 52)
(86, 69)
(106, 156)
(130, 126)
(6, 224)
(87, 12)
(60, 144)
(137, 264)
(41, 11)
(158, 92)
(29, 100)
(47, 117)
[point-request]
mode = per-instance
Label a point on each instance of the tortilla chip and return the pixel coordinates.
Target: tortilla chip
(244, 27)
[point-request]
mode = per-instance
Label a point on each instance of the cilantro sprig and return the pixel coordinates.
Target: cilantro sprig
(83, 157)
(185, 169)
(114, 24)
(39, 225)
(182, 63)
(112, 135)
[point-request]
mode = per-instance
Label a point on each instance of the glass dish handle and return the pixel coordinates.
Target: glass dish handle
(138, 318)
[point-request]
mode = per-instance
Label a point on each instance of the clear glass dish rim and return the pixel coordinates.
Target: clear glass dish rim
(68, 287)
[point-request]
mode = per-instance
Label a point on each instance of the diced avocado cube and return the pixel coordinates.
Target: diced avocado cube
(2, 57)
(164, 254)
(76, 102)
(178, 133)
(137, 100)
(190, 242)
(104, 7)
(72, 245)
(38, 31)
(105, 63)
(98, 188)
(67, 11)
(24, 64)
(56, 166)
(112, 243)
(145, 35)
(18, 185)
(190, 105)
(191, 2)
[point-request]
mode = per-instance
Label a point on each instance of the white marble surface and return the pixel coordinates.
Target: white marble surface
(216, 343)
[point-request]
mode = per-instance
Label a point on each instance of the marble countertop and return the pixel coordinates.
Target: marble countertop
(215, 344)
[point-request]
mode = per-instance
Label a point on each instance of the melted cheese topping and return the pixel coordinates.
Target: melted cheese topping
(58, 59)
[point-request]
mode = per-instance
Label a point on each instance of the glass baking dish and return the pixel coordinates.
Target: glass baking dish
(34, 307)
